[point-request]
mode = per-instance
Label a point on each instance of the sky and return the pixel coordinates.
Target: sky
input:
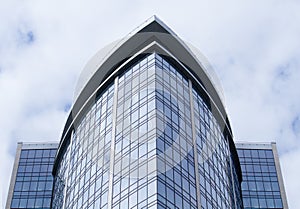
(253, 45)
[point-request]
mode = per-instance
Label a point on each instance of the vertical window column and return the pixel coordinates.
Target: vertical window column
(67, 172)
(231, 174)
(195, 145)
(113, 139)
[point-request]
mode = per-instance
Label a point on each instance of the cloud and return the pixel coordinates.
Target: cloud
(253, 45)
(289, 163)
(296, 125)
(25, 35)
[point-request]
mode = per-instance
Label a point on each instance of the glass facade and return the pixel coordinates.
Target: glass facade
(153, 138)
(33, 185)
(219, 183)
(147, 158)
(148, 129)
(260, 186)
(85, 165)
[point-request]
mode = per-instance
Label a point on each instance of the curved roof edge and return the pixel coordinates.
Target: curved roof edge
(153, 24)
(102, 67)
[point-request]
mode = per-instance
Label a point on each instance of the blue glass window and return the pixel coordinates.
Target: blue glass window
(260, 182)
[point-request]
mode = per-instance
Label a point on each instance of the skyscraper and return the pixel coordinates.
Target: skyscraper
(148, 129)
(32, 180)
(262, 185)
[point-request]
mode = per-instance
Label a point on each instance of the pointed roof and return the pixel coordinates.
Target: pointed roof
(134, 41)
(154, 24)
(151, 25)
(151, 36)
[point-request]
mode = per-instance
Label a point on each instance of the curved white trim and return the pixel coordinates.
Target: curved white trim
(149, 48)
(102, 68)
(95, 63)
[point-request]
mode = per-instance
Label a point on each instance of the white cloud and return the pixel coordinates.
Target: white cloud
(254, 46)
(289, 163)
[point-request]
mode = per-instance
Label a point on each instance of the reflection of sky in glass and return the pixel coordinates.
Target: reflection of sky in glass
(33, 186)
(260, 188)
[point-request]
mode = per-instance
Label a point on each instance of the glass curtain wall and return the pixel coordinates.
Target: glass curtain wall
(85, 164)
(219, 185)
(260, 185)
(34, 181)
(151, 147)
